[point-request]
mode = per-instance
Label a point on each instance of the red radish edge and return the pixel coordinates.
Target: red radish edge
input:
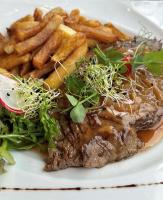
(9, 108)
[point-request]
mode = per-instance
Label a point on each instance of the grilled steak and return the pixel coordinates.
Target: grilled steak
(109, 134)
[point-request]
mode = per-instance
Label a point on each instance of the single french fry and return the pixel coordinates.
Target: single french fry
(10, 61)
(25, 25)
(15, 71)
(39, 73)
(38, 14)
(9, 45)
(95, 33)
(68, 45)
(47, 49)
(25, 68)
(56, 79)
(105, 29)
(92, 23)
(73, 18)
(55, 11)
(34, 52)
(8, 48)
(29, 32)
(67, 31)
(23, 34)
(23, 19)
(37, 40)
(122, 36)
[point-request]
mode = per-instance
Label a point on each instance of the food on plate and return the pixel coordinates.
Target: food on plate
(38, 14)
(47, 49)
(96, 33)
(13, 60)
(57, 77)
(85, 92)
(37, 40)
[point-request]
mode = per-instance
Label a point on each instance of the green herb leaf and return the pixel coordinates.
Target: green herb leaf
(2, 166)
(74, 85)
(154, 62)
(138, 59)
(102, 58)
(78, 113)
(113, 54)
(72, 99)
(123, 69)
(50, 126)
(5, 154)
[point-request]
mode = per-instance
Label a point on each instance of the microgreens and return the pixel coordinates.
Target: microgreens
(33, 95)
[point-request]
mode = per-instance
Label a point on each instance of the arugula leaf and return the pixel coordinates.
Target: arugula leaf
(78, 113)
(51, 127)
(2, 166)
(5, 154)
(154, 62)
(20, 133)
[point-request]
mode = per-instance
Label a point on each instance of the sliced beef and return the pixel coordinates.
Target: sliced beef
(109, 134)
(152, 44)
(92, 145)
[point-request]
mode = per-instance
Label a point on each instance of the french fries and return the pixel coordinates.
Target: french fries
(22, 34)
(56, 79)
(10, 61)
(67, 31)
(40, 45)
(23, 19)
(74, 17)
(24, 25)
(91, 23)
(67, 47)
(37, 40)
(47, 49)
(8, 46)
(117, 32)
(15, 71)
(95, 33)
(25, 68)
(55, 11)
(38, 73)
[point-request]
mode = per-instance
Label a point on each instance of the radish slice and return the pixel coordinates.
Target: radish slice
(8, 95)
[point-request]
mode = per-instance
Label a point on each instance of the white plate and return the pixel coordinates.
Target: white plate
(28, 172)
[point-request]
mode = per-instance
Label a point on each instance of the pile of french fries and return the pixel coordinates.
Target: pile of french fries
(48, 46)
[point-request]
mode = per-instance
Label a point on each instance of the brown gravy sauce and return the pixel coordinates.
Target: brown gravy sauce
(153, 135)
